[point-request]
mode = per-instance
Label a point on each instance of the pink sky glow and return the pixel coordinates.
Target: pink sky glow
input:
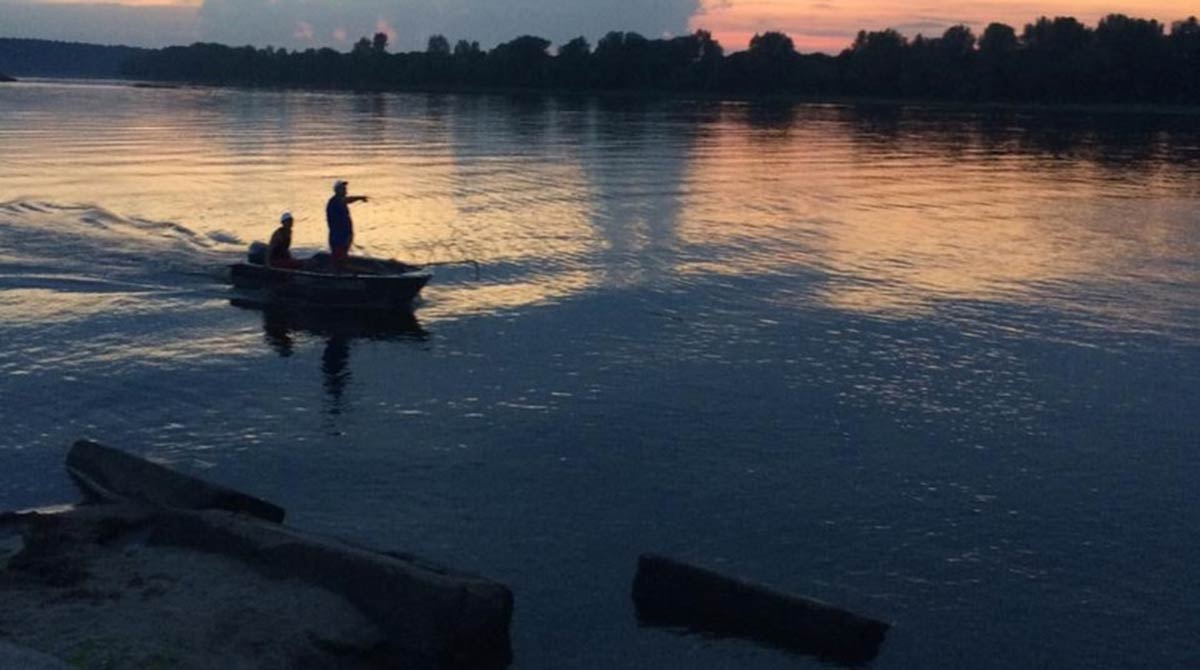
(830, 25)
(814, 25)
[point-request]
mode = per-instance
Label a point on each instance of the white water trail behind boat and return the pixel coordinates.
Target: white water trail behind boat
(85, 247)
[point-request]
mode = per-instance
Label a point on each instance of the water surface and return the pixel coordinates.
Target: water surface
(937, 366)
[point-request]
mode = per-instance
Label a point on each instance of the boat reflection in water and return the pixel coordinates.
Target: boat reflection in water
(282, 323)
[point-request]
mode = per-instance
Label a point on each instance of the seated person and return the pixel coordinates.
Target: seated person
(279, 250)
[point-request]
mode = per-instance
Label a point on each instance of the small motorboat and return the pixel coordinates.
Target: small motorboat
(360, 281)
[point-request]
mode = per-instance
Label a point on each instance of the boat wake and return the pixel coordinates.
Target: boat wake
(85, 248)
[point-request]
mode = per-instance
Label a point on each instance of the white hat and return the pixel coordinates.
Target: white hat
(339, 183)
(287, 216)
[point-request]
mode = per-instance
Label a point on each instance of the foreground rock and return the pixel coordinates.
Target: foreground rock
(175, 575)
(6, 78)
(111, 474)
(670, 592)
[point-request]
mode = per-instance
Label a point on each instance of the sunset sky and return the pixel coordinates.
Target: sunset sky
(815, 25)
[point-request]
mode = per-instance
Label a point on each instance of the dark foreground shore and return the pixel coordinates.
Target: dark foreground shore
(158, 569)
(94, 590)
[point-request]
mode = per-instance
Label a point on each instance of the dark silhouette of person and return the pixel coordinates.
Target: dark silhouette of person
(279, 250)
(341, 227)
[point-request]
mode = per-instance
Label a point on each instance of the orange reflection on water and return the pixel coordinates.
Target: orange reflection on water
(895, 228)
(41, 306)
(467, 299)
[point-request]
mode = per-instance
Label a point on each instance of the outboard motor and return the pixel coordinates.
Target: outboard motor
(257, 254)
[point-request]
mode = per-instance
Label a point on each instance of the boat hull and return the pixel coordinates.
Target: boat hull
(392, 286)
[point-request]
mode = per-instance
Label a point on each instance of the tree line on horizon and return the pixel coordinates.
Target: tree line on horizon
(47, 58)
(1059, 60)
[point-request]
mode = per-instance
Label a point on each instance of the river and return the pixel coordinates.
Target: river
(935, 365)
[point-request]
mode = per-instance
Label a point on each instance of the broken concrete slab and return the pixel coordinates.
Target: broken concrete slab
(456, 619)
(671, 592)
(130, 585)
(111, 474)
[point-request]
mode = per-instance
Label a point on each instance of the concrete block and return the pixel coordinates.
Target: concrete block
(670, 592)
(112, 474)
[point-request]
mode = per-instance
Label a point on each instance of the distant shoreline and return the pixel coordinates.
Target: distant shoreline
(1121, 63)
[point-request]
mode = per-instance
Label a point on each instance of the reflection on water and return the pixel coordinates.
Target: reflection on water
(334, 366)
(895, 210)
(281, 323)
(933, 364)
(910, 209)
(339, 328)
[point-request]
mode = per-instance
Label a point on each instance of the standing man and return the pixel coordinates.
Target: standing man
(341, 228)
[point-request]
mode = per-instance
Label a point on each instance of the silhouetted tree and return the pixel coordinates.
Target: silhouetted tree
(439, 66)
(574, 64)
(772, 46)
(367, 64)
(768, 66)
(623, 61)
(1057, 61)
(465, 49)
(957, 42)
(953, 65)
(468, 60)
(576, 49)
(707, 66)
(1184, 46)
(1061, 35)
(876, 62)
(996, 67)
(998, 41)
(437, 46)
(379, 43)
(1131, 54)
(521, 62)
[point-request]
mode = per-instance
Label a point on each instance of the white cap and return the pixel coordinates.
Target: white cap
(339, 183)
(287, 216)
